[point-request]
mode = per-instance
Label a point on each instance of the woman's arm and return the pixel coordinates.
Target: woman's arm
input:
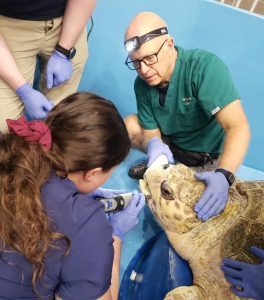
(122, 222)
(9, 71)
(112, 292)
(116, 268)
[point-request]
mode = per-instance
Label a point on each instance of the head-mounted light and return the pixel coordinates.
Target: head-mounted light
(136, 42)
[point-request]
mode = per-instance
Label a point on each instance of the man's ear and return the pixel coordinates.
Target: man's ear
(90, 174)
(171, 41)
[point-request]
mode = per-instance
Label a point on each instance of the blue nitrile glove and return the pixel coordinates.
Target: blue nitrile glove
(59, 69)
(36, 104)
(249, 277)
(123, 221)
(214, 198)
(105, 193)
(155, 148)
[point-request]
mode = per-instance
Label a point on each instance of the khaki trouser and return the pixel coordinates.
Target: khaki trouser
(28, 40)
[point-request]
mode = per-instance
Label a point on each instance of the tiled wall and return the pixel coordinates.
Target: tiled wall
(254, 6)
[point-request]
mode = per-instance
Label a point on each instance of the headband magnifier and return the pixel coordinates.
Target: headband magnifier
(136, 42)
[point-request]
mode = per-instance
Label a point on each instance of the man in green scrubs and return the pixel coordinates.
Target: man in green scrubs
(188, 109)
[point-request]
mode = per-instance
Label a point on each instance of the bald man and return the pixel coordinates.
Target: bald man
(188, 109)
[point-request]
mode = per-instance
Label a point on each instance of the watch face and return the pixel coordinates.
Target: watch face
(72, 53)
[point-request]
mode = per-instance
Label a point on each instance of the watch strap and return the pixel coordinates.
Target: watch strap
(69, 53)
(230, 177)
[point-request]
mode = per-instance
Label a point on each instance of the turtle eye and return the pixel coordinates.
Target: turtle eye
(166, 191)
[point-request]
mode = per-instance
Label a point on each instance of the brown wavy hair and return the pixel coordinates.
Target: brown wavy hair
(87, 132)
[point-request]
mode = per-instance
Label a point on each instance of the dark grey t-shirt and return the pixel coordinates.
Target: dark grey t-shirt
(32, 9)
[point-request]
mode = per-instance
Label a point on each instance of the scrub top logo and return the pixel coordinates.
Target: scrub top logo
(187, 100)
(214, 111)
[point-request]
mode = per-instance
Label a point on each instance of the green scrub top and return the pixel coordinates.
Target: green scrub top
(200, 86)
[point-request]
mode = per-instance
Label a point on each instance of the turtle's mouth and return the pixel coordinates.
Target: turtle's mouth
(151, 203)
(148, 198)
(146, 190)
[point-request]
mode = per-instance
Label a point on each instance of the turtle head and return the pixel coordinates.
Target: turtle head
(171, 192)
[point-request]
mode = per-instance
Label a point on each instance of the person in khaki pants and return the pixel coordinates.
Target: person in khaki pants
(54, 31)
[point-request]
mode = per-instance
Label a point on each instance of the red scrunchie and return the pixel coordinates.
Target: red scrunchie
(33, 131)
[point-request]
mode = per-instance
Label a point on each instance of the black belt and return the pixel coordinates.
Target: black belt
(214, 155)
(192, 158)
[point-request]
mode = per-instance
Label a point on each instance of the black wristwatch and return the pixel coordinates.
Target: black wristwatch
(230, 177)
(69, 53)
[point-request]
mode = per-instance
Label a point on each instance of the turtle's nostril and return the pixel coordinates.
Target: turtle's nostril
(165, 166)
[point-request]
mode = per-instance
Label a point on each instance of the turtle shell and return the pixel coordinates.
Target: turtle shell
(248, 229)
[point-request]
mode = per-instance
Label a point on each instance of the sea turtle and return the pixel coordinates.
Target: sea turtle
(172, 191)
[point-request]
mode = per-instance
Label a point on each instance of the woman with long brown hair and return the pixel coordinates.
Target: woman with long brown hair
(55, 239)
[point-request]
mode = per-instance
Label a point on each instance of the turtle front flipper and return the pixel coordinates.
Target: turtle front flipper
(185, 293)
(195, 292)
(207, 285)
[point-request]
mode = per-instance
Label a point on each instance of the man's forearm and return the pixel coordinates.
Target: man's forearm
(76, 15)
(9, 71)
(235, 147)
(148, 135)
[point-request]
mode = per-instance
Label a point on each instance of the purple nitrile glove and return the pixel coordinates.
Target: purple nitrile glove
(105, 193)
(123, 221)
(155, 148)
(36, 104)
(214, 198)
(59, 69)
(249, 277)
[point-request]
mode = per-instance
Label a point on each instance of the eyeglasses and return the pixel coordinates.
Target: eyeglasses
(147, 60)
